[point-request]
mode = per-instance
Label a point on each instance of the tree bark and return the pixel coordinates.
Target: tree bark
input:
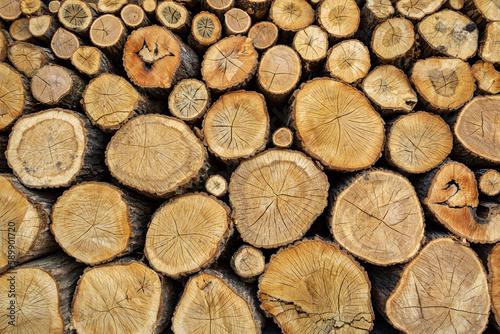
(5, 40)
(373, 13)
(70, 149)
(257, 9)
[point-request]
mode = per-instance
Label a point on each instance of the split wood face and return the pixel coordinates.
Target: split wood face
(22, 220)
(477, 127)
(187, 234)
(36, 308)
(110, 6)
(12, 94)
(313, 287)
(443, 290)
(276, 196)
(117, 298)
(210, 305)
(47, 149)
(337, 125)
(90, 221)
(155, 154)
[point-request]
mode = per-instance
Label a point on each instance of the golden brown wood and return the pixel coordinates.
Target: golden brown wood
(339, 18)
(450, 33)
(236, 21)
(54, 6)
(229, 64)
(337, 125)
(373, 13)
(19, 30)
(54, 148)
(109, 33)
(174, 16)
(489, 181)
(14, 96)
(390, 90)
(218, 7)
(283, 138)
(43, 27)
(263, 35)
(187, 234)
(490, 47)
(28, 58)
(33, 8)
(314, 287)
(258, 9)
(456, 4)
(237, 125)
(418, 142)
(311, 44)
(156, 59)
(348, 61)
(393, 41)
(75, 15)
(64, 44)
(4, 44)
(487, 77)
(189, 100)
(248, 263)
(276, 196)
(216, 185)
(134, 17)
(417, 9)
(494, 279)
(291, 15)
(444, 83)
(490, 10)
(10, 10)
(205, 31)
(110, 6)
(91, 61)
(150, 163)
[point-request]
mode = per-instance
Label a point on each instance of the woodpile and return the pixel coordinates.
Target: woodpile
(249, 166)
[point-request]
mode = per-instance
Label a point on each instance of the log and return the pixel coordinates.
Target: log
(389, 90)
(374, 207)
(149, 7)
(449, 33)
(237, 125)
(64, 44)
(216, 185)
(54, 6)
(144, 155)
(187, 234)
(279, 73)
(263, 35)
(450, 194)
(282, 138)
(4, 44)
(33, 8)
(443, 290)
(212, 303)
(10, 10)
(109, 33)
(25, 223)
(19, 30)
(96, 222)
(174, 16)
(490, 47)
(348, 61)
(43, 27)
(55, 148)
(487, 77)
(205, 31)
(337, 125)
(155, 59)
(291, 16)
(218, 7)
(489, 10)
(418, 142)
(373, 13)
(236, 21)
(121, 297)
(393, 42)
(75, 15)
(276, 196)
(4, 166)
(416, 10)
(110, 6)
(28, 58)
(493, 278)
(489, 181)
(189, 100)
(91, 61)
(340, 19)
(248, 263)
(134, 17)
(445, 84)
(456, 4)
(14, 95)
(311, 44)
(42, 293)
(476, 132)
(229, 64)
(55, 85)
(314, 287)
(258, 9)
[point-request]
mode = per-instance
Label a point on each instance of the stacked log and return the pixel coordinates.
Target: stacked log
(197, 166)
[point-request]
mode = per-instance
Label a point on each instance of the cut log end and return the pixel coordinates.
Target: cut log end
(109, 33)
(12, 96)
(443, 289)
(487, 77)
(187, 234)
(206, 29)
(54, 6)
(283, 138)
(34, 304)
(339, 19)
(75, 15)
(52, 84)
(276, 196)
(489, 182)
(490, 49)
(32, 7)
(322, 107)
(216, 185)
(125, 297)
(494, 279)
(263, 35)
(311, 43)
(248, 262)
(90, 221)
(156, 142)
(110, 6)
(189, 100)
(236, 21)
(417, 9)
(348, 61)
(10, 10)
(418, 142)
(88, 60)
(173, 15)
(291, 15)
(19, 30)
(393, 39)
(64, 44)
(133, 16)
(299, 291)
(488, 9)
